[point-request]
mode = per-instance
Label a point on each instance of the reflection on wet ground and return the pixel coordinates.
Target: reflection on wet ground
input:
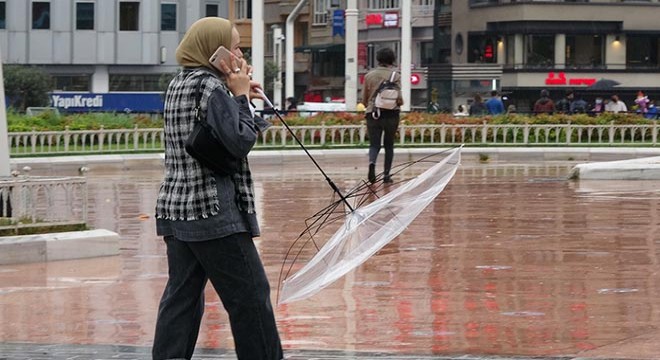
(509, 260)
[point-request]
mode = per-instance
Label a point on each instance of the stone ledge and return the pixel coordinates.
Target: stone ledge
(633, 169)
(58, 246)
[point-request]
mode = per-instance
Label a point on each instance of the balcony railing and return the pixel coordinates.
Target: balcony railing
(32, 201)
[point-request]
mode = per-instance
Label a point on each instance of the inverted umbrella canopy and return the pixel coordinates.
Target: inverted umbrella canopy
(368, 228)
(604, 84)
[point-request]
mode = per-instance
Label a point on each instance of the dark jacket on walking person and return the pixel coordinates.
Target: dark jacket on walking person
(544, 104)
(563, 106)
(478, 108)
(207, 219)
(384, 127)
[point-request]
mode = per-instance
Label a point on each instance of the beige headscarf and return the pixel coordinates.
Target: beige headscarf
(201, 41)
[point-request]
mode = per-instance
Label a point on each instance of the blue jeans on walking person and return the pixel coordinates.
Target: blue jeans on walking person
(382, 128)
(233, 266)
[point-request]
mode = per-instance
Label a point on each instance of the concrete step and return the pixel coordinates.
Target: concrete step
(58, 246)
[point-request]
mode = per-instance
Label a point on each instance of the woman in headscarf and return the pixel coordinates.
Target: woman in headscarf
(207, 219)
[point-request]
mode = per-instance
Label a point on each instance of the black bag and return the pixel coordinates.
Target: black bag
(206, 148)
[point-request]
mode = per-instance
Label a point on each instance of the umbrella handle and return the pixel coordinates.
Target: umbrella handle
(330, 182)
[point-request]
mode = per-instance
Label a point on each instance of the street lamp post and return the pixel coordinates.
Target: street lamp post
(4, 138)
(277, 59)
(351, 83)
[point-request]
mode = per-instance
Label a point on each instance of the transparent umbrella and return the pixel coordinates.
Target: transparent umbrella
(367, 222)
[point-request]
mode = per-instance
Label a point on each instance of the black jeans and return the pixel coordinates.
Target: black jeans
(382, 128)
(235, 270)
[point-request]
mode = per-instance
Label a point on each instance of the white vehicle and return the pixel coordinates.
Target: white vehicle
(312, 108)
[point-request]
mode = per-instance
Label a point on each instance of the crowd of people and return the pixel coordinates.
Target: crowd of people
(571, 103)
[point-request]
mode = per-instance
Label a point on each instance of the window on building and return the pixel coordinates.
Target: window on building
(211, 10)
(642, 51)
(539, 51)
(425, 53)
(243, 9)
(383, 4)
(84, 16)
(510, 50)
(135, 82)
(167, 17)
(372, 49)
(3, 15)
(40, 15)
(129, 16)
(324, 62)
(320, 12)
(71, 82)
(482, 49)
(584, 51)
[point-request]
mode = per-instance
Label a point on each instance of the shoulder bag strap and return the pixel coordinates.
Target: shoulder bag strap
(198, 100)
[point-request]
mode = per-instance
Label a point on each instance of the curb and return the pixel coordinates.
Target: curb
(58, 246)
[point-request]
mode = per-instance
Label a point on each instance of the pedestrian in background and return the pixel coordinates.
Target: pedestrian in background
(616, 105)
(563, 106)
(477, 108)
(642, 102)
(578, 105)
(207, 219)
(599, 106)
(544, 105)
(385, 126)
(495, 105)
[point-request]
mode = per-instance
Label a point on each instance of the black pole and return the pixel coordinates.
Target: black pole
(330, 182)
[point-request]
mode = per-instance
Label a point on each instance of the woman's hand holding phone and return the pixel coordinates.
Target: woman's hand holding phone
(235, 70)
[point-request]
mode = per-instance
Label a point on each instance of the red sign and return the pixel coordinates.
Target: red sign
(374, 19)
(362, 55)
(560, 79)
(415, 79)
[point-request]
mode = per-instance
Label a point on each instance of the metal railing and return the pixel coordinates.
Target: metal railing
(354, 135)
(28, 201)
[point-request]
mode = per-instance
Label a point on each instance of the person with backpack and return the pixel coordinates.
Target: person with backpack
(382, 93)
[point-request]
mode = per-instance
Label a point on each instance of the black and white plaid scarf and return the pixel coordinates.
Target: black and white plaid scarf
(189, 190)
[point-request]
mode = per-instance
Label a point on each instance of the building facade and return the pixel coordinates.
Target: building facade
(523, 46)
(104, 45)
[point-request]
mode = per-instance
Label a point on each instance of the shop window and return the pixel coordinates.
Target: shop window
(642, 51)
(584, 51)
(40, 15)
(78, 83)
(482, 49)
(325, 64)
(539, 51)
(135, 82)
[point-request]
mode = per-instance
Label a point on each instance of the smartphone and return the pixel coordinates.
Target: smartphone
(221, 54)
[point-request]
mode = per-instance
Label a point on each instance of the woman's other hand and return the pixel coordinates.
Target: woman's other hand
(256, 90)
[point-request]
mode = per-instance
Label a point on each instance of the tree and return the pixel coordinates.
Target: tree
(26, 86)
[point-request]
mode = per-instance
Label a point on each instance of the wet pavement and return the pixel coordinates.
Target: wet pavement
(510, 261)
